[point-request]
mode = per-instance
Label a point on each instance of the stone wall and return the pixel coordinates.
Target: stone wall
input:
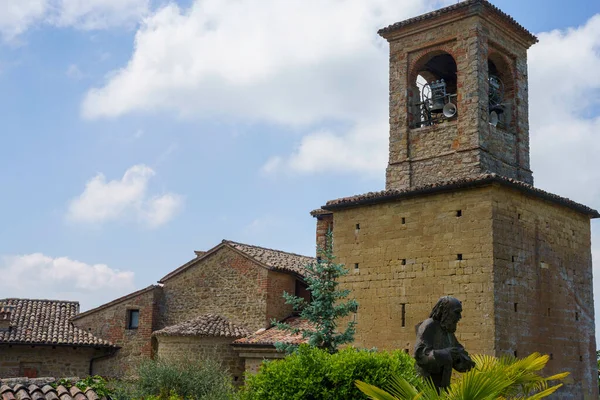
(225, 283)
(41, 361)
(202, 348)
(467, 145)
(520, 265)
(110, 322)
(542, 286)
(409, 253)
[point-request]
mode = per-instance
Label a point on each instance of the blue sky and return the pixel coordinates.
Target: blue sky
(136, 131)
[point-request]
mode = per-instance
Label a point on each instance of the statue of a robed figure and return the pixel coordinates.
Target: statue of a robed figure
(437, 351)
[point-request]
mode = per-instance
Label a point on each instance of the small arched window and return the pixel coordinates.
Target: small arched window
(433, 90)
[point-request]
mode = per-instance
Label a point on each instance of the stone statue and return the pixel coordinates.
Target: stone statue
(437, 351)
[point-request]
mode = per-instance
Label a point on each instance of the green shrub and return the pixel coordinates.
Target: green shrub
(314, 374)
(197, 380)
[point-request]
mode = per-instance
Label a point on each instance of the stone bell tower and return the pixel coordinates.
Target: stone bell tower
(471, 58)
(460, 215)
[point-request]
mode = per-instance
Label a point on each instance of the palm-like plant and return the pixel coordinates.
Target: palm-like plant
(492, 378)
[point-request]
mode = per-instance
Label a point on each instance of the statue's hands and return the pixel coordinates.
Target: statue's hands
(463, 362)
(457, 353)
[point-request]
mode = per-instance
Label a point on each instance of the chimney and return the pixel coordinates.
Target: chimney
(5, 313)
(324, 225)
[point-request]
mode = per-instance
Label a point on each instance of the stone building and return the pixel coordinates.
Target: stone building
(199, 309)
(460, 215)
(37, 338)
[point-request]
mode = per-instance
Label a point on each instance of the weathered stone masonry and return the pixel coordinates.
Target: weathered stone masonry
(460, 216)
(110, 322)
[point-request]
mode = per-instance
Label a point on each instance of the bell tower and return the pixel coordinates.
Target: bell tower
(458, 96)
(460, 215)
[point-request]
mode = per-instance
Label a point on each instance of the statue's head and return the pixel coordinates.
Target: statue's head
(448, 312)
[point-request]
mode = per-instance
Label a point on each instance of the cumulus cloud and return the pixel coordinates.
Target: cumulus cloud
(124, 198)
(99, 14)
(17, 16)
(40, 276)
(251, 60)
(564, 117)
(360, 150)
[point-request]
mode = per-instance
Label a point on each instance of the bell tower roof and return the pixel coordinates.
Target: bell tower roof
(457, 11)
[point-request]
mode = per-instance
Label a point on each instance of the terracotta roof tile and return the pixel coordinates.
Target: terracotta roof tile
(45, 322)
(274, 259)
(41, 389)
(483, 179)
(269, 337)
(455, 7)
(319, 211)
(205, 325)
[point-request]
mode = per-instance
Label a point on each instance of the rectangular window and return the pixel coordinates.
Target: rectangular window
(403, 314)
(133, 319)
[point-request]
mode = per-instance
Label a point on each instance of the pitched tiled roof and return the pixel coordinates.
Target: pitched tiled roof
(274, 259)
(205, 325)
(41, 389)
(268, 258)
(456, 7)
(268, 337)
(46, 322)
(481, 180)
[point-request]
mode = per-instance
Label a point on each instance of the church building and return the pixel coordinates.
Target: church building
(460, 215)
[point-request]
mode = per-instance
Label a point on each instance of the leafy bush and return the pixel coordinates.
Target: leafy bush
(313, 373)
(198, 380)
(492, 378)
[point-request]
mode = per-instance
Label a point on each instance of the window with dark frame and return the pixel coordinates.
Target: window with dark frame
(133, 319)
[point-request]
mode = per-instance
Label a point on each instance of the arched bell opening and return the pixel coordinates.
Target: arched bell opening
(432, 90)
(501, 90)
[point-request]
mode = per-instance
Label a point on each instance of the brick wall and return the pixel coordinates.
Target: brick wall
(277, 284)
(543, 291)
(201, 348)
(467, 145)
(60, 361)
(324, 225)
(407, 253)
(224, 283)
(110, 322)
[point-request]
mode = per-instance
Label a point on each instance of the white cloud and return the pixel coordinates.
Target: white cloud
(40, 276)
(99, 14)
(248, 59)
(126, 198)
(19, 15)
(360, 150)
(564, 117)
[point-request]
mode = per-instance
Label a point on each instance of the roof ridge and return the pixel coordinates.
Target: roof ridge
(391, 194)
(266, 248)
(50, 300)
(115, 301)
(462, 4)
